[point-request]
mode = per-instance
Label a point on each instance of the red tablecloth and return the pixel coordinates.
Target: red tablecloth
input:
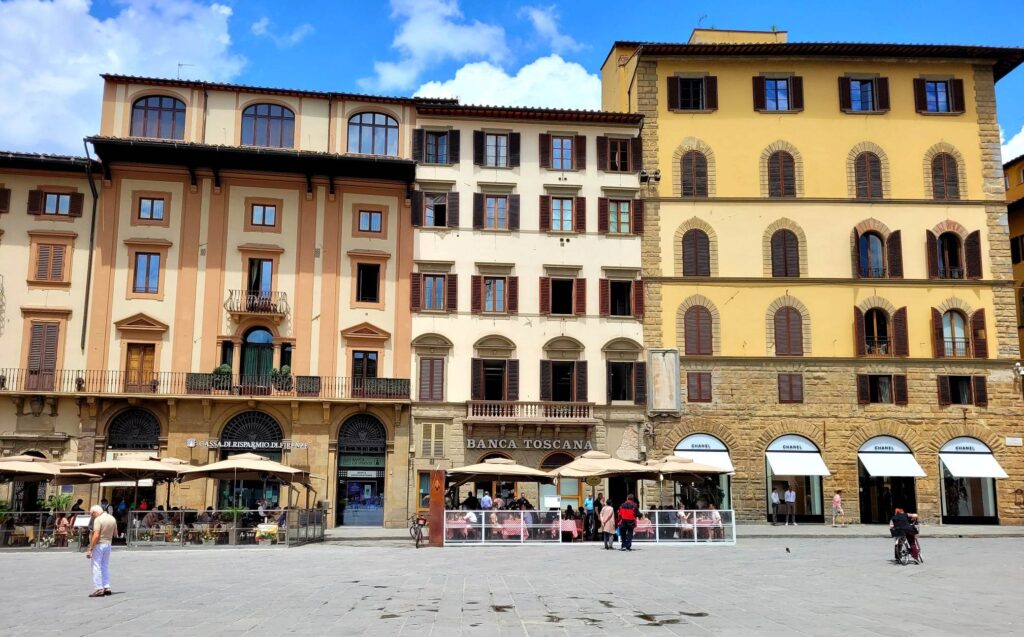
(644, 527)
(567, 526)
(512, 528)
(457, 526)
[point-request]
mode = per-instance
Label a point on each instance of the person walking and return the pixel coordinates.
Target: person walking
(607, 525)
(837, 508)
(627, 522)
(775, 506)
(103, 529)
(790, 497)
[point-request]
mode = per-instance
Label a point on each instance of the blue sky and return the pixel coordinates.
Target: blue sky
(494, 51)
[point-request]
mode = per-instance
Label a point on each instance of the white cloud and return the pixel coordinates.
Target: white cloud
(545, 23)
(1013, 148)
(261, 28)
(548, 81)
(433, 31)
(53, 53)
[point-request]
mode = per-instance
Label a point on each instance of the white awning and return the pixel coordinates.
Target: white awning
(972, 465)
(719, 459)
(126, 483)
(797, 464)
(893, 465)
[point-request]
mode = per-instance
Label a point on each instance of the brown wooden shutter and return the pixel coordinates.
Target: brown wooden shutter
(710, 93)
(796, 93)
(781, 321)
(545, 295)
(43, 258)
(477, 379)
(513, 294)
(418, 145)
(35, 202)
(703, 253)
(759, 97)
(687, 180)
(545, 381)
(582, 383)
(640, 383)
(602, 153)
(35, 348)
(856, 254)
(972, 255)
(57, 263)
(796, 332)
(5, 200)
(882, 98)
(956, 96)
(863, 389)
(478, 210)
(901, 340)
(513, 150)
(545, 150)
(49, 360)
(894, 247)
(513, 212)
(636, 155)
(416, 211)
(453, 209)
(512, 380)
(602, 215)
(931, 244)
(437, 384)
(425, 369)
(579, 148)
(702, 342)
(980, 391)
(673, 93)
(604, 297)
(545, 212)
(579, 214)
(979, 337)
(638, 299)
(938, 335)
(415, 291)
(899, 389)
(845, 100)
(785, 388)
(945, 396)
(476, 294)
(478, 147)
(920, 98)
(451, 302)
(778, 254)
(858, 332)
(454, 146)
(580, 289)
(796, 386)
(638, 216)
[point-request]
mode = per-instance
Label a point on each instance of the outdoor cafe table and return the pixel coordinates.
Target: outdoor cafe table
(457, 524)
(568, 526)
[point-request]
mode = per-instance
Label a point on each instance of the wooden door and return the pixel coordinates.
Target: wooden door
(139, 375)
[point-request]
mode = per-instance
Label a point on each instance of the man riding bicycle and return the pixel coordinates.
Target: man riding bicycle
(902, 524)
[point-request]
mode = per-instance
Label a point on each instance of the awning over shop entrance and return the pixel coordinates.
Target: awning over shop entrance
(706, 449)
(892, 465)
(788, 463)
(972, 465)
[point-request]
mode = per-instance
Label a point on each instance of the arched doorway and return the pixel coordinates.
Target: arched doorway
(131, 431)
(969, 474)
(505, 490)
(696, 491)
(257, 357)
(25, 496)
(887, 470)
(794, 463)
(362, 448)
(250, 432)
(566, 492)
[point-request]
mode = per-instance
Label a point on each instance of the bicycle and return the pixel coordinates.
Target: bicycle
(903, 552)
(416, 524)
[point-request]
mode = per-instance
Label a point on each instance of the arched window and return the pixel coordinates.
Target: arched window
(250, 427)
(268, 125)
(696, 253)
(872, 256)
(876, 333)
(954, 333)
(697, 323)
(159, 117)
(373, 134)
(945, 182)
(133, 429)
(555, 461)
(694, 174)
(867, 168)
(362, 434)
(785, 254)
(950, 255)
(789, 332)
(781, 175)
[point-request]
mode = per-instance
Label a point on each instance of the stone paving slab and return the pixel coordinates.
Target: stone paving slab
(839, 586)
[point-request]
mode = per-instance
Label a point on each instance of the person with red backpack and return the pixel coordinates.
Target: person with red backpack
(627, 522)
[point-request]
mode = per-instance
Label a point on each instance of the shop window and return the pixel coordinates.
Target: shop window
(370, 220)
(698, 387)
(562, 296)
(423, 499)
(368, 282)
(620, 381)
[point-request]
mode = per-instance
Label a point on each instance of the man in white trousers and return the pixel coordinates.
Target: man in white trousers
(104, 527)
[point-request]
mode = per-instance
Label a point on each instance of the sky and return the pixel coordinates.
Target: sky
(543, 53)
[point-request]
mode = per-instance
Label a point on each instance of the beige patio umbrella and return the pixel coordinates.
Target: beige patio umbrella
(498, 469)
(132, 468)
(23, 471)
(600, 465)
(249, 466)
(681, 465)
(23, 458)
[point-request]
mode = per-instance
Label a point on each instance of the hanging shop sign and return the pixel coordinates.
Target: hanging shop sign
(528, 443)
(246, 444)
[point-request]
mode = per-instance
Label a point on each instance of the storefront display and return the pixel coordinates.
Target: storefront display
(793, 462)
(969, 472)
(362, 449)
(887, 470)
(243, 433)
(698, 491)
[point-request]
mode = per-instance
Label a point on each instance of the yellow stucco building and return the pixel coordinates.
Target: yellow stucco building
(1013, 175)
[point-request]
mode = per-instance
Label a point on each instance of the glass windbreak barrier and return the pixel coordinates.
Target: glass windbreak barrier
(44, 530)
(502, 527)
(224, 527)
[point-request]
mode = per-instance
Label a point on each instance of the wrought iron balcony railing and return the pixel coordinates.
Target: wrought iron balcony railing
(957, 347)
(256, 302)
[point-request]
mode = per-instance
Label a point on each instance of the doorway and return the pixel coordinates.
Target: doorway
(881, 495)
(257, 358)
(362, 449)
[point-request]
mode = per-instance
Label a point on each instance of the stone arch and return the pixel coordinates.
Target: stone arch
(493, 454)
(252, 425)
(798, 165)
(851, 171)
(950, 226)
(563, 347)
(362, 433)
(783, 223)
(494, 346)
(873, 302)
(668, 439)
(961, 168)
(283, 419)
(953, 303)
(872, 225)
(695, 223)
(134, 428)
(944, 433)
(716, 327)
(255, 322)
(688, 144)
(383, 415)
(553, 454)
(902, 432)
(622, 349)
(770, 433)
(805, 315)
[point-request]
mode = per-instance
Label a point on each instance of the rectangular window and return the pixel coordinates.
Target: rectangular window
(370, 220)
(691, 94)
(151, 209)
(791, 388)
(227, 353)
(264, 215)
(364, 365)
(562, 296)
(432, 379)
(494, 380)
(494, 294)
(563, 381)
(50, 262)
(286, 355)
(433, 291)
(57, 204)
(880, 389)
(960, 390)
(698, 387)
(433, 440)
(936, 96)
(261, 279)
(862, 95)
(561, 153)
(561, 214)
(368, 282)
(620, 381)
(496, 150)
(496, 212)
(437, 148)
(147, 273)
(618, 155)
(1017, 248)
(776, 94)
(435, 208)
(620, 298)
(618, 216)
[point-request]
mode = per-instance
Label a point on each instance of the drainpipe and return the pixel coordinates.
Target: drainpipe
(92, 242)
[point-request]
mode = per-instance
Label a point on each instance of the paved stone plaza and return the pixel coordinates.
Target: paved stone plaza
(841, 586)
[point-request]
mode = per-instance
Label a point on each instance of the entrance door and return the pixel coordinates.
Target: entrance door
(139, 376)
(259, 285)
(42, 356)
(364, 371)
(362, 448)
(257, 360)
(879, 496)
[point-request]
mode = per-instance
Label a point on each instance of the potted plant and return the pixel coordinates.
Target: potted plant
(79, 384)
(231, 515)
(197, 383)
(282, 378)
(222, 377)
(307, 385)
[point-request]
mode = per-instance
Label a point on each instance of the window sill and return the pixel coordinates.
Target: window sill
(850, 111)
(561, 233)
(57, 218)
(496, 230)
(791, 111)
(941, 114)
(620, 235)
(437, 228)
(495, 315)
(563, 170)
(615, 317)
(433, 312)
(368, 305)
(561, 317)
(619, 172)
(495, 167)
(695, 111)
(32, 283)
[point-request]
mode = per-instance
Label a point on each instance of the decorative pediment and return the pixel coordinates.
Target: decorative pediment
(365, 331)
(432, 341)
(140, 323)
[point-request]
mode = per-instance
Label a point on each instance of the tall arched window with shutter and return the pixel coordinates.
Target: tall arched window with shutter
(696, 253)
(268, 125)
(158, 117)
(697, 323)
(694, 174)
(867, 170)
(945, 181)
(785, 254)
(781, 175)
(789, 332)
(877, 340)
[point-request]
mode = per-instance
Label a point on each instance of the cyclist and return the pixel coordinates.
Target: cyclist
(903, 524)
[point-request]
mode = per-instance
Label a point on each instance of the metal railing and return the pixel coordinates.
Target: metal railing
(507, 410)
(951, 273)
(256, 302)
(63, 381)
(957, 347)
(686, 526)
(873, 272)
(41, 530)
(878, 346)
